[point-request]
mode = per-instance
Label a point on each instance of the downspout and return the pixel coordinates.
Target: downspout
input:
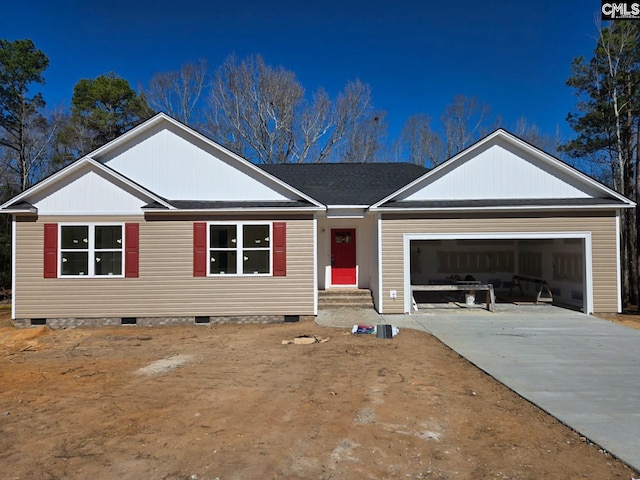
(13, 267)
(380, 296)
(618, 262)
(315, 264)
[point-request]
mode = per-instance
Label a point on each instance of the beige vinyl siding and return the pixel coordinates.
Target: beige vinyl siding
(603, 243)
(166, 286)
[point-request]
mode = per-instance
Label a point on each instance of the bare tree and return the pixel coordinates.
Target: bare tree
(464, 120)
(178, 93)
(345, 130)
(262, 113)
(530, 132)
(418, 143)
(364, 142)
(21, 123)
(253, 109)
(608, 128)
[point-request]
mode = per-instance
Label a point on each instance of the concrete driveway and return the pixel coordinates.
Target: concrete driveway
(582, 370)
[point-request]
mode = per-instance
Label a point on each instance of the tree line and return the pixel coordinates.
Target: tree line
(607, 124)
(265, 114)
(261, 112)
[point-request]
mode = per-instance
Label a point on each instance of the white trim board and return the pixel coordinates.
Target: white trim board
(584, 236)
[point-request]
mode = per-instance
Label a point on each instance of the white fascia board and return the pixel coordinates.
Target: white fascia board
(71, 168)
(344, 207)
(347, 211)
(18, 211)
(163, 117)
(502, 209)
(518, 143)
(192, 211)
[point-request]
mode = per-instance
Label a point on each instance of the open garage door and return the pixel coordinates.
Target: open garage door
(527, 268)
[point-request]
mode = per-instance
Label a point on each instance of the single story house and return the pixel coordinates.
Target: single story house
(164, 225)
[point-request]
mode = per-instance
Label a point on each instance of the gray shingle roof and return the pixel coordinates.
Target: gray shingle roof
(346, 183)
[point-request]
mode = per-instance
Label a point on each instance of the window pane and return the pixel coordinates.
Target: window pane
(108, 263)
(108, 236)
(223, 262)
(256, 261)
(75, 263)
(222, 236)
(74, 236)
(256, 236)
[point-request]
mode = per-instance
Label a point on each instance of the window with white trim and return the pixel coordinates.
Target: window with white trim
(239, 248)
(91, 250)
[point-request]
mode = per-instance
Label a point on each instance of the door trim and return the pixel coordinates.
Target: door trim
(355, 257)
(587, 253)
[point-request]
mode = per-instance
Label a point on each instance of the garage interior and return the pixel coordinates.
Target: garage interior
(549, 270)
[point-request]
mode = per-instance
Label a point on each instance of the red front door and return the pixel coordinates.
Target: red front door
(343, 256)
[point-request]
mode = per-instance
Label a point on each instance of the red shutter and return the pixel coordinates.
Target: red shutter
(279, 249)
(199, 249)
(131, 250)
(50, 250)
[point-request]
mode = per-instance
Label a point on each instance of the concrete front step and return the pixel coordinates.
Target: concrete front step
(344, 298)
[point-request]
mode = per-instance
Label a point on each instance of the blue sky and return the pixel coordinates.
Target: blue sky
(416, 55)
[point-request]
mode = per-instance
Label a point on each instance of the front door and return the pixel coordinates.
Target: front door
(343, 256)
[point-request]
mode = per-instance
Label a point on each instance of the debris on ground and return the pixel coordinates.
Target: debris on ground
(13, 340)
(364, 330)
(381, 331)
(306, 340)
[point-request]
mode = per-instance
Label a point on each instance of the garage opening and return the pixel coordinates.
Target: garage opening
(521, 270)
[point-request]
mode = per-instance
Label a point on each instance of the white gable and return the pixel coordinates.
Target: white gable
(177, 165)
(88, 191)
(501, 169)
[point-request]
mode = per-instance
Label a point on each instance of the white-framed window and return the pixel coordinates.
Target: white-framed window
(91, 250)
(239, 248)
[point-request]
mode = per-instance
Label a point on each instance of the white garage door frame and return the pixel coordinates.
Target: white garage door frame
(584, 236)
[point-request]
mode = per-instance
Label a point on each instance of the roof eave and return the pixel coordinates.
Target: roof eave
(20, 211)
(355, 207)
(528, 208)
(191, 211)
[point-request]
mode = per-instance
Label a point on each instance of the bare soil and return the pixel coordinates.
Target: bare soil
(628, 320)
(232, 402)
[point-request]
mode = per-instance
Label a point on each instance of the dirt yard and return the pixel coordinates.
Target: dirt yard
(233, 402)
